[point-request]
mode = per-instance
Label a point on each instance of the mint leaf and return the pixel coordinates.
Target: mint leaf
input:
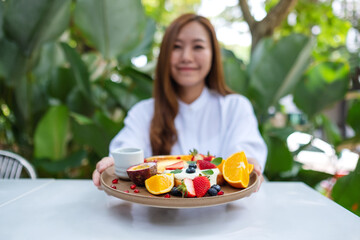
(176, 171)
(217, 161)
(208, 172)
(190, 162)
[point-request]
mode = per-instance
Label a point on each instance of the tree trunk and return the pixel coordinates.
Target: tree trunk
(265, 27)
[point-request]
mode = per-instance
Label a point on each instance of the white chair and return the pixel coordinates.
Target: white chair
(12, 166)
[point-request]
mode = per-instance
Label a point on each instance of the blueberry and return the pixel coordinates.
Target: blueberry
(190, 170)
(175, 192)
(212, 192)
(217, 187)
(193, 165)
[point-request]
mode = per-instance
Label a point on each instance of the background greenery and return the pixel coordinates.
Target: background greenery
(67, 80)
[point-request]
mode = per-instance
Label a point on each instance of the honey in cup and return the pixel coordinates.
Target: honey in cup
(125, 158)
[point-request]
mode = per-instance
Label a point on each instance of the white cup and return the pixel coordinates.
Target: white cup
(125, 158)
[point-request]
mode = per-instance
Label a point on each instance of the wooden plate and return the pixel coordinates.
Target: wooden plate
(145, 198)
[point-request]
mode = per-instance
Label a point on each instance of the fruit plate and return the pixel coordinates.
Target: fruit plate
(146, 198)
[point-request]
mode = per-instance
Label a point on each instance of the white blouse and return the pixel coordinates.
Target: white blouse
(221, 125)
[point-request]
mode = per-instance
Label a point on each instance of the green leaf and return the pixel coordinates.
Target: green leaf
(208, 172)
(12, 63)
(109, 126)
(51, 134)
(354, 116)
(279, 157)
(72, 161)
(142, 83)
(1, 18)
(324, 84)
(217, 161)
(50, 58)
(78, 102)
(312, 178)
(346, 191)
(276, 67)
(176, 171)
(31, 99)
(111, 26)
(144, 47)
(119, 92)
(31, 24)
(281, 133)
(91, 134)
(61, 83)
(235, 72)
(81, 119)
(331, 130)
(79, 70)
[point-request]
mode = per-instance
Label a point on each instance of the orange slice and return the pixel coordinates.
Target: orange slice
(220, 166)
(250, 167)
(236, 170)
(160, 183)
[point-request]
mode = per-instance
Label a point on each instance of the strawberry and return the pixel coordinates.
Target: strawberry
(195, 155)
(177, 165)
(187, 188)
(201, 186)
(205, 165)
(208, 158)
(198, 157)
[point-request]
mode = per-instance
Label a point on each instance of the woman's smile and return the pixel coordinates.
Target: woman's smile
(187, 69)
(191, 58)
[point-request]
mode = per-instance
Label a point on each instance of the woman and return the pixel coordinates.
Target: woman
(192, 107)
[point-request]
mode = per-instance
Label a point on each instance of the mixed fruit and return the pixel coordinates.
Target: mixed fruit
(189, 176)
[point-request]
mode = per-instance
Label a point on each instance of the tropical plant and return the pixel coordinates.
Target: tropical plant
(308, 69)
(67, 80)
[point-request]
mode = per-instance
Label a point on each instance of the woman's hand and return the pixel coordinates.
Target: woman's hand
(103, 164)
(257, 170)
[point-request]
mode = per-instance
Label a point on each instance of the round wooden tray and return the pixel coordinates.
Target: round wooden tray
(146, 198)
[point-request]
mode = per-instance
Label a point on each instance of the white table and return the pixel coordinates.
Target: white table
(75, 209)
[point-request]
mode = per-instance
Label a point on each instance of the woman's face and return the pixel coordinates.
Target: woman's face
(191, 56)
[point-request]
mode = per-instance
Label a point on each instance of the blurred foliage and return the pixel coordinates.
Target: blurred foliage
(346, 191)
(316, 18)
(64, 92)
(308, 59)
(165, 12)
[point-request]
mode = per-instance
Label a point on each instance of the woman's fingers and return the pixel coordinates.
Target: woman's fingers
(96, 178)
(104, 164)
(257, 170)
(100, 167)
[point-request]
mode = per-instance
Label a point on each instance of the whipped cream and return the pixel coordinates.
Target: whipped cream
(183, 174)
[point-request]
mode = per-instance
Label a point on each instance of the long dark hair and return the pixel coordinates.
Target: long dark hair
(163, 133)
